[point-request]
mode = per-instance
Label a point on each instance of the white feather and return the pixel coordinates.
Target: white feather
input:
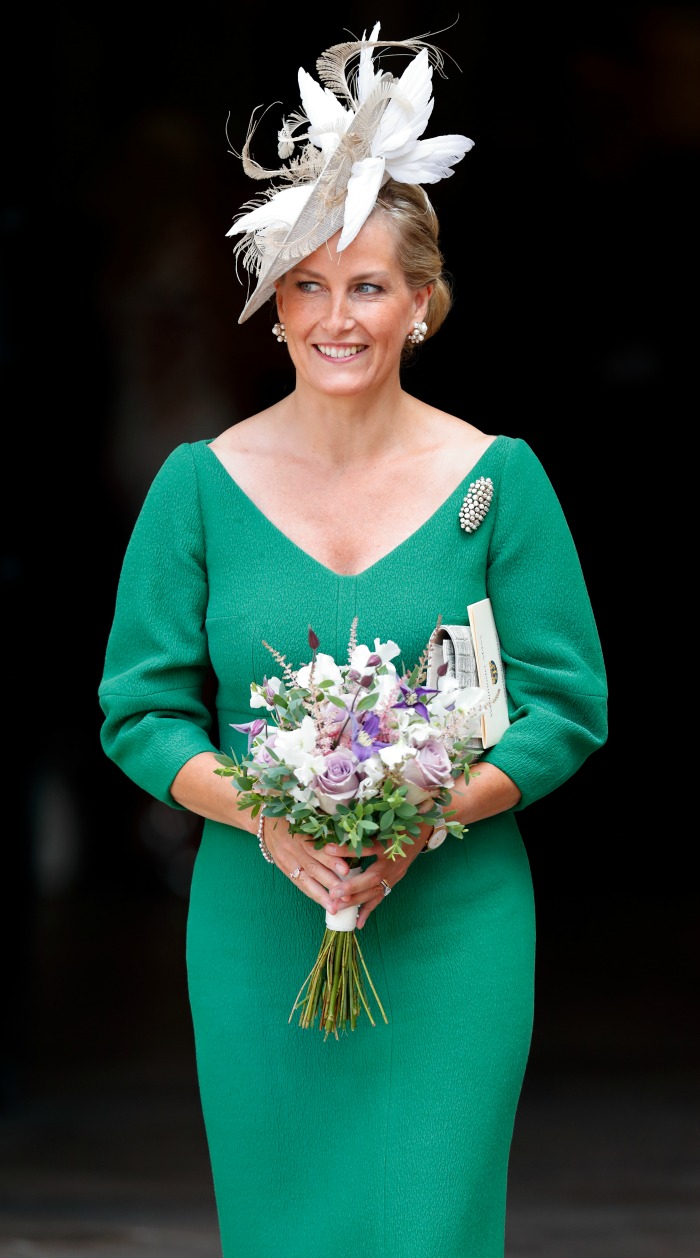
(410, 107)
(329, 119)
(282, 210)
(367, 77)
(403, 137)
(429, 161)
(363, 185)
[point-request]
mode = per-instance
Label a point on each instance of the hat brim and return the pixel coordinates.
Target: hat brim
(322, 214)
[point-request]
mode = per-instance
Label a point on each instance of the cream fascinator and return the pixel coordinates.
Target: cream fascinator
(354, 133)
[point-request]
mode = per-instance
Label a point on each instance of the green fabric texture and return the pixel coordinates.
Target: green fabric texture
(398, 1135)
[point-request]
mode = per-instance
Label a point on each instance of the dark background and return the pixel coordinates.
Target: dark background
(571, 232)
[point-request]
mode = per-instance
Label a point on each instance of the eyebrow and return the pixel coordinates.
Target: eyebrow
(362, 277)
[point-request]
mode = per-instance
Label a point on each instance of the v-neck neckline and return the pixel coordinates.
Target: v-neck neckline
(472, 474)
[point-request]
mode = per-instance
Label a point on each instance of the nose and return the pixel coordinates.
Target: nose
(337, 316)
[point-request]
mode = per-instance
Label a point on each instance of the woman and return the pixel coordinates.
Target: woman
(343, 499)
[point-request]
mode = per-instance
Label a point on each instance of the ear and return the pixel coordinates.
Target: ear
(279, 297)
(422, 299)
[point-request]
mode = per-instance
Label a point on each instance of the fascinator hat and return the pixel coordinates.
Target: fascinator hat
(357, 128)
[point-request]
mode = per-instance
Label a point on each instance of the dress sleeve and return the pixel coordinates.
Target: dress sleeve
(555, 673)
(153, 683)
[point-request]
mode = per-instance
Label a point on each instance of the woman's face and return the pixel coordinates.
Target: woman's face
(347, 315)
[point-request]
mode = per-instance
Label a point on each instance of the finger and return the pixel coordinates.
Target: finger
(326, 858)
(345, 897)
(368, 907)
(313, 889)
(333, 881)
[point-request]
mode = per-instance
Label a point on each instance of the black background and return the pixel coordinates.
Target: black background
(570, 230)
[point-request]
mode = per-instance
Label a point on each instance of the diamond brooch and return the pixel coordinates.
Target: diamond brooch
(476, 503)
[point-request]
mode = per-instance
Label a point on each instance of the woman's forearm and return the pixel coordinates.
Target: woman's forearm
(488, 792)
(199, 789)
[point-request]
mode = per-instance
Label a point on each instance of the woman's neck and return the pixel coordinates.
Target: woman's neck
(339, 431)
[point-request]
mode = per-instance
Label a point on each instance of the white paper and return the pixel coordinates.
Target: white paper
(490, 671)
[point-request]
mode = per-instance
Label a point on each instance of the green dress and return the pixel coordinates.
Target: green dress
(395, 1138)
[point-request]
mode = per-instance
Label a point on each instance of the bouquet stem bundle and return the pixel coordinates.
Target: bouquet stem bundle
(335, 989)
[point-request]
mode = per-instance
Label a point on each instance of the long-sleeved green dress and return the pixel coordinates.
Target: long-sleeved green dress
(395, 1138)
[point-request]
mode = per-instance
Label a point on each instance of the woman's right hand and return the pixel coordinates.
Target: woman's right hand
(321, 872)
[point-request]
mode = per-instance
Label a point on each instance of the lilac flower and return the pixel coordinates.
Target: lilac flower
(412, 701)
(251, 728)
(364, 736)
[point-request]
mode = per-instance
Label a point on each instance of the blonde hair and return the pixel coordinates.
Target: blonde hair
(416, 228)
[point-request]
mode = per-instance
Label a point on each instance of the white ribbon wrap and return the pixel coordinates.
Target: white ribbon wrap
(345, 919)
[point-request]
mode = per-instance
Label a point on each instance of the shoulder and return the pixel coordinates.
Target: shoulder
(175, 490)
(448, 442)
(181, 466)
(515, 460)
(250, 434)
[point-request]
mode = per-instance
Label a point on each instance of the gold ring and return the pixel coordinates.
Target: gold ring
(387, 888)
(295, 872)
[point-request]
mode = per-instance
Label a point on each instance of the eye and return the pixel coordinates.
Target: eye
(368, 289)
(308, 286)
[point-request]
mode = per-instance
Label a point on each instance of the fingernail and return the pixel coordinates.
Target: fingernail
(340, 869)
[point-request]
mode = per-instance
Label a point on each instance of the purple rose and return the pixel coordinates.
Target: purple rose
(428, 771)
(339, 781)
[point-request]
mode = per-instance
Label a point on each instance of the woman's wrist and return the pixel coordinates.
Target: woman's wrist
(435, 836)
(261, 839)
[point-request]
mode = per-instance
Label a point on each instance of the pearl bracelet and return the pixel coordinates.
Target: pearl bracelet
(261, 841)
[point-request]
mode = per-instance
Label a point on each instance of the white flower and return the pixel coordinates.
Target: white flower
(467, 702)
(396, 753)
(302, 794)
(297, 749)
(367, 789)
(385, 650)
(405, 720)
(421, 731)
(326, 669)
(372, 770)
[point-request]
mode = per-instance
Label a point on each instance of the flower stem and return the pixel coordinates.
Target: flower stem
(333, 991)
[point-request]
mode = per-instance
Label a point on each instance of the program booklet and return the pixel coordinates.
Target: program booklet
(473, 656)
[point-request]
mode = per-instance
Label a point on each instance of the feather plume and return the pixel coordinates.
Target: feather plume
(429, 161)
(332, 64)
(363, 186)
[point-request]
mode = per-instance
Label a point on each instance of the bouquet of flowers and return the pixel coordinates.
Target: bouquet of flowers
(354, 754)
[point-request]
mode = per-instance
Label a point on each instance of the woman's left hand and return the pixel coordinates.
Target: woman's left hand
(369, 887)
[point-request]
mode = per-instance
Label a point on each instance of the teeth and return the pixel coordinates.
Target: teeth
(342, 351)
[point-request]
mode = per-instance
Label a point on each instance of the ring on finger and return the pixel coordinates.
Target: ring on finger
(386, 888)
(296, 871)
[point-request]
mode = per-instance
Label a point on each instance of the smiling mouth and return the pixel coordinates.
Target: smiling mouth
(340, 351)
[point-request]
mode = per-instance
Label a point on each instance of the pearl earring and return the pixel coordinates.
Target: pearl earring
(418, 334)
(279, 332)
